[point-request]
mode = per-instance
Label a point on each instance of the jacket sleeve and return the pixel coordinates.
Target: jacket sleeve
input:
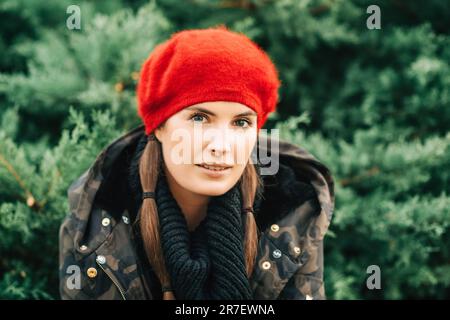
(307, 283)
(69, 269)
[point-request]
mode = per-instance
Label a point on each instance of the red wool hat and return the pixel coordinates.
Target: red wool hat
(202, 65)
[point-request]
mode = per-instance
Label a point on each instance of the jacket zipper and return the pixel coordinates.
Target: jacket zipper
(114, 281)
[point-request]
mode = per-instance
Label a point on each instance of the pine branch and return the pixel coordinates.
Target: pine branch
(30, 199)
(53, 182)
(355, 179)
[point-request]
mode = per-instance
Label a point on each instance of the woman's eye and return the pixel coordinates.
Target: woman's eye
(198, 117)
(242, 123)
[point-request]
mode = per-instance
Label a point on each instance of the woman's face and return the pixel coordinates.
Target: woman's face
(220, 134)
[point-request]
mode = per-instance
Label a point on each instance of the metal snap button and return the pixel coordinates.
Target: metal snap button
(106, 222)
(266, 265)
(275, 227)
(276, 253)
(101, 259)
(91, 272)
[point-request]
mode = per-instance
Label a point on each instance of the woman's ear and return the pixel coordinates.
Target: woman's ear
(158, 133)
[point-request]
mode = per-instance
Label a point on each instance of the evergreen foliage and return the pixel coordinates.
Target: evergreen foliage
(373, 105)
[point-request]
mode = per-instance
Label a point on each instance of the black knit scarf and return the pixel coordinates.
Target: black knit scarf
(209, 262)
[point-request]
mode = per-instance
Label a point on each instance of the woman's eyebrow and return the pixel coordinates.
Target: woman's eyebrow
(247, 113)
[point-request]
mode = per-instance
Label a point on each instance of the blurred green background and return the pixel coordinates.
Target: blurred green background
(373, 105)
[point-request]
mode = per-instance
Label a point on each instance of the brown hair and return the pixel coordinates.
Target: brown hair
(149, 166)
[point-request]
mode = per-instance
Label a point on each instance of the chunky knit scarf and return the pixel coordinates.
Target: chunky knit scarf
(209, 262)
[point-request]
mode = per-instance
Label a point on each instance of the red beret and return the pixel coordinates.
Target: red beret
(201, 65)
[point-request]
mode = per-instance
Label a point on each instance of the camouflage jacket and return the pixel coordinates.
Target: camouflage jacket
(97, 254)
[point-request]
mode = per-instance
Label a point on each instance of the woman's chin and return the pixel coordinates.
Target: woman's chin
(211, 188)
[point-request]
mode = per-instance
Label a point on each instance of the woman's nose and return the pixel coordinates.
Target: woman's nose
(219, 143)
(219, 147)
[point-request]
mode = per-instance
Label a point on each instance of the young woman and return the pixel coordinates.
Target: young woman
(178, 209)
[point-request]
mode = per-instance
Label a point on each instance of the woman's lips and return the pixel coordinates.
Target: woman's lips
(214, 171)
